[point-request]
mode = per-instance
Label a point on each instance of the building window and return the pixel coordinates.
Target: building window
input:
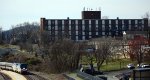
(56, 28)
(96, 33)
(103, 27)
(96, 22)
(63, 22)
(56, 33)
(116, 22)
(69, 32)
(109, 22)
(53, 22)
(69, 27)
(49, 22)
(76, 37)
(76, 32)
(90, 22)
(136, 21)
(129, 21)
(123, 22)
(103, 33)
(90, 33)
(83, 33)
(49, 27)
(103, 22)
(83, 37)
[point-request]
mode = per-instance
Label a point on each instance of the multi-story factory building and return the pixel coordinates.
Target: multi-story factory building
(91, 26)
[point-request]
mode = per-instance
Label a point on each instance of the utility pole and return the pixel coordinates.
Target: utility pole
(140, 55)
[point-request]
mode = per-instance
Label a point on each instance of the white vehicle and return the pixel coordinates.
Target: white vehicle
(130, 66)
(143, 65)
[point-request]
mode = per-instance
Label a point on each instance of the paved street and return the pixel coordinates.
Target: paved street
(111, 75)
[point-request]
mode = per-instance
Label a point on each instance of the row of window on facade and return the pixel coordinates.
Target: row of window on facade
(82, 37)
(77, 33)
(75, 22)
(96, 28)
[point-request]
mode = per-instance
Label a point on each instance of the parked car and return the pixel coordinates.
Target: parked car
(143, 65)
(130, 66)
(146, 66)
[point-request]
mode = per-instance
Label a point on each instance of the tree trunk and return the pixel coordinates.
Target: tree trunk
(99, 64)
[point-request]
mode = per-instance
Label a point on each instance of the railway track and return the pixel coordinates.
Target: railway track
(31, 76)
(5, 77)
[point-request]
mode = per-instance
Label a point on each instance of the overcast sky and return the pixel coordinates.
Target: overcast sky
(13, 12)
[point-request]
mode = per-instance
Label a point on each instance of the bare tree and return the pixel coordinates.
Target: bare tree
(25, 35)
(65, 53)
(23, 32)
(103, 50)
(45, 39)
(146, 15)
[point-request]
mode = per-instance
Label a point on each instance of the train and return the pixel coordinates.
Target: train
(16, 67)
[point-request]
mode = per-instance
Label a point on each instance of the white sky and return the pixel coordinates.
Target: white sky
(13, 12)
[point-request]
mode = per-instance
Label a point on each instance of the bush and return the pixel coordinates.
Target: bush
(33, 61)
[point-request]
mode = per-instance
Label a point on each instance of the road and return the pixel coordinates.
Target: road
(111, 75)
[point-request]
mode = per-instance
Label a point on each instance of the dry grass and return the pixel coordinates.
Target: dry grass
(51, 76)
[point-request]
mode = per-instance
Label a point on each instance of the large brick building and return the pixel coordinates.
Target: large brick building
(91, 26)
